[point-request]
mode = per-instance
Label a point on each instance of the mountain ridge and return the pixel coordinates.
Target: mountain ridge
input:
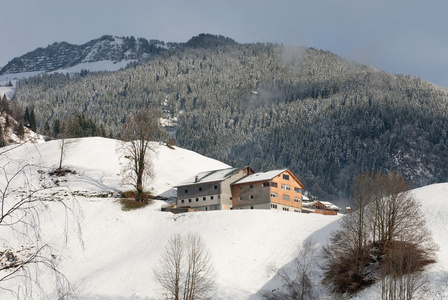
(64, 55)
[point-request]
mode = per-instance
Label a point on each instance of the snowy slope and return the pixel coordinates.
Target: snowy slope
(121, 248)
(104, 65)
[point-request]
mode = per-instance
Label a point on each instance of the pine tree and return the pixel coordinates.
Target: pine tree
(20, 131)
(32, 121)
(26, 116)
(2, 138)
(4, 105)
(47, 128)
(56, 128)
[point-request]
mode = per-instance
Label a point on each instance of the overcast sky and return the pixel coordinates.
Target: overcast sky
(398, 36)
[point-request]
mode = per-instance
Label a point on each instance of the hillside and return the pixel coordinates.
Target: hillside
(272, 106)
(120, 249)
(60, 56)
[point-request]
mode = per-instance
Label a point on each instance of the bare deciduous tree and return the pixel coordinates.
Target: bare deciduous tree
(402, 271)
(20, 215)
(136, 135)
(185, 270)
(299, 285)
(347, 254)
(64, 142)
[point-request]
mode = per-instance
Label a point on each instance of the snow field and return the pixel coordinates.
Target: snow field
(120, 249)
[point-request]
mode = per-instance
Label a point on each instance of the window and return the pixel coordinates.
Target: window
(251, 207)
(241, 187)
(297, 200)
(265, 184)
(203, 198)
(251, 186)
(298, 190)
(240, 198)
(183, 201)
(274, 195)
(286, 187)
(274, 184)
(285, 209)
(296, 210)
(230, 198)
(285, 176)
(251, 196)
(186, 191)
(189, 200)
(274, 206)
(215, 187)
(286, 197)
(197, 199)
(200, 189)
(211, 197)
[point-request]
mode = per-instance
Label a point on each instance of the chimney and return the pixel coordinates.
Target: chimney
(196, 179)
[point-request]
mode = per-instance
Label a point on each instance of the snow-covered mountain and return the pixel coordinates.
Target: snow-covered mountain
(120, 249)
(60, 56)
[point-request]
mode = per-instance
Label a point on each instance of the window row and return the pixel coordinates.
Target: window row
(197, 199)
(275, 185)
(274, 206)
(284, 197)
(200, 189)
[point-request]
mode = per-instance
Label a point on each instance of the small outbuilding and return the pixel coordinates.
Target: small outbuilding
(321, 207)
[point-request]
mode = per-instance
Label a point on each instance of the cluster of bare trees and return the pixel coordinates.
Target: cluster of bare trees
(185, 270)
(384, 239)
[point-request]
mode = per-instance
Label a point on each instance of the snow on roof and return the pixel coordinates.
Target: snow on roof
(260, 176)
(211, 176)
(327, 204)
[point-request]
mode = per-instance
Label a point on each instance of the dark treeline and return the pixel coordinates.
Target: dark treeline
(272, 106)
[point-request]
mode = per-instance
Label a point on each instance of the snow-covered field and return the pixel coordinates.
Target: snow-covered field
(120, 249)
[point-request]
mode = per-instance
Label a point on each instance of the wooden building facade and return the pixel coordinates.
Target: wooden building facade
(278, 189)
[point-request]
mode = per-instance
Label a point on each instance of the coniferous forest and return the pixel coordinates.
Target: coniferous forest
(268, 105)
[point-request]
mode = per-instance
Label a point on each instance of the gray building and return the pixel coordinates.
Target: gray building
(210, 190)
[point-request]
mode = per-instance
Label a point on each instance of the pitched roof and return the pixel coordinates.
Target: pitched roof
(211, 176)
(262, 176)
(327, 204)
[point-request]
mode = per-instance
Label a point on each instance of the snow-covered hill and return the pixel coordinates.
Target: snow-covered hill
(120, 249)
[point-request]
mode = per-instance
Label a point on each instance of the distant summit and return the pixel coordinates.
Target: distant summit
(64, 55)
(206, 40)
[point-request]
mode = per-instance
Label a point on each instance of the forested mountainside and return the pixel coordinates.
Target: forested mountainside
(271, 106)
(64, 55)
